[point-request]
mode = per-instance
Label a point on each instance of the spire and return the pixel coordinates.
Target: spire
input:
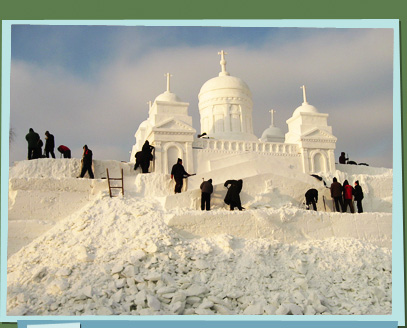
(168, 75)
(304, 95)
(223, 63)
(272, 111)
(149, 104)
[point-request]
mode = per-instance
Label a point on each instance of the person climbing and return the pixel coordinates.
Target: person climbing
(336, 194)
(311, 197)
(232, 197)
(358, 193)
(65, 151)
(207, 189)
(343, 158)
(32, 138)
(49, 145)
(178, 173)
(347, 197)
(87, 162)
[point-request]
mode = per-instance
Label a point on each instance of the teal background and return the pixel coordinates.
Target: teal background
(158, 9)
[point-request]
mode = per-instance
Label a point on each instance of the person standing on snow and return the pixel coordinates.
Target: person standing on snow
(49, 145)
(178, 173)
(232, 196)
(87, 162)
(336, 194)
(347, 197)
(358, 193)
(147, 156)
(207, 189)
(32, 139)
(311, 197)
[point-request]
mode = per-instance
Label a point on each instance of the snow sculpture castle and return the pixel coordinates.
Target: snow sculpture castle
(225, 107)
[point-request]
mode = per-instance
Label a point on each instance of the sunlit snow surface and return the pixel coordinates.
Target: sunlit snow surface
(132, 255)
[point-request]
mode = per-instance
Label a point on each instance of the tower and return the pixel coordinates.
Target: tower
(309, 129)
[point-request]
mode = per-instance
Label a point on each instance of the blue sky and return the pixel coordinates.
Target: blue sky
(90, 84)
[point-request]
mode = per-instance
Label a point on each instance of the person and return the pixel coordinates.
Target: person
(232, 197)
(147, 156)
(347, 197)
(207, 189)
(38, 149)
(87, 162)
(343, 158)
(32, 138)
(178, 173)
(49, 145)
(336, 194)
(64, 150)
(358, 193)
(311, 197)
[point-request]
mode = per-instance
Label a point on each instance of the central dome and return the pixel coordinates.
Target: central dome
(225, 82)
(225, 106)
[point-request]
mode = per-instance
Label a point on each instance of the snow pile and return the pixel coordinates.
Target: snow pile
(135, 255)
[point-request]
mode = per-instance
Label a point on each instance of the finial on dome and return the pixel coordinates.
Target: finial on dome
(272, 111)
(304, 95)
(149, 104)
(223, 63)
(168, 75)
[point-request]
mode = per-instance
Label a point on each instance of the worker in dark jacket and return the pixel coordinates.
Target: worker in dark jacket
(233, 195)
(147, 156)
(336, 194)
(65, 151)
(32, 138)
(311, 197)
(207, 189)
(358, 193)
(87, 162)
(49, 145)
(343, 158)
(38, 150)
(178, 173)
(347, 197)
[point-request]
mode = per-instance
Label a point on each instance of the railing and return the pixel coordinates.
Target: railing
(241, 146)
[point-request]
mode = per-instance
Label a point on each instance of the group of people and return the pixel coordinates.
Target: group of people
(232, 198)
(35, 151)
(344, 195)
(35, 145)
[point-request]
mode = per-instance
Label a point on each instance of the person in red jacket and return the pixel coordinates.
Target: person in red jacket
(64, 150)
(347, 197)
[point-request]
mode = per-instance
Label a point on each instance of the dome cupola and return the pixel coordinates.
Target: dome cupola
(225, 106)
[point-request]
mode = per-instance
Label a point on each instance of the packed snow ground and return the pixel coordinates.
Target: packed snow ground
(135, 254)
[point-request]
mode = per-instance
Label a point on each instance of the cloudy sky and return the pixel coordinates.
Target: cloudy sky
(91, 84)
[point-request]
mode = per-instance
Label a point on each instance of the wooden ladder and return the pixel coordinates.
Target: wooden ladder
(114, 179)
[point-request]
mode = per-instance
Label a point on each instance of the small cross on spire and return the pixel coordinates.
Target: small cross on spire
(223, 63)
(168, 75)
